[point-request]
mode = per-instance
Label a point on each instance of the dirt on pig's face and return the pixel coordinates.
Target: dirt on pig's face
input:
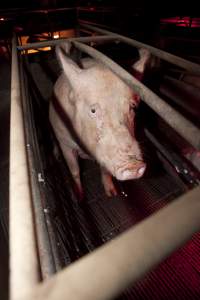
(104, 112)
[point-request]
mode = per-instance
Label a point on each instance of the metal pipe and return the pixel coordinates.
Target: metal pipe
(184, 127)
(84, 39)
(45, 254)
(109, 270)
(23, 250)
(184, 94)
(173, 59)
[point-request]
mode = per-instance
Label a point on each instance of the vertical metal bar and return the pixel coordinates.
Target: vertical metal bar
(23, 250)
(44, 246)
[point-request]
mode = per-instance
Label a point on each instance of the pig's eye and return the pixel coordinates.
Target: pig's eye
(94, 110)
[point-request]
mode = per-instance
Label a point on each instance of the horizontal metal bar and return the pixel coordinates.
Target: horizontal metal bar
(175, 60)
(184, 127)
(109, 270)
(84, 39)
(23, 262)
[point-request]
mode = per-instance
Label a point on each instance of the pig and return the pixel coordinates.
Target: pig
(146, 63)
(92, 114)
(139, 67)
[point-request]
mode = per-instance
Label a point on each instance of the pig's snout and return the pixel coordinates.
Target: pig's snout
(132, 171)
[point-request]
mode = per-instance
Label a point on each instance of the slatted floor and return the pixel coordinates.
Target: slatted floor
(98, 219)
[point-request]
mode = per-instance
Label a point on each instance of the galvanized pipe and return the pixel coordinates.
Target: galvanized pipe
(23, 262)
(109, 270)
(173, 59)
(184, 127)
(84, 39)
(47, 263)
(184, 94)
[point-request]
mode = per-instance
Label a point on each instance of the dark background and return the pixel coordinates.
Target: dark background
(169, 7)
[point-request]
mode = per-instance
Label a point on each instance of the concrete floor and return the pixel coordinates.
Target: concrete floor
(4, 173)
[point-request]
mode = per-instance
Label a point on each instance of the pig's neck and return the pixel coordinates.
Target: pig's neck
(83, 151)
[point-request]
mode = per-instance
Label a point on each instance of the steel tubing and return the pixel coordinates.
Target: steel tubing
(23, 261)
(175, 60)
(84, 39)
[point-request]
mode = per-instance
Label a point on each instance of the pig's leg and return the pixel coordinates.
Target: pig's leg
(108, 183)
(70, 156)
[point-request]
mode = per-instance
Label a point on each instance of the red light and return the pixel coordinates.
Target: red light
(182, 21)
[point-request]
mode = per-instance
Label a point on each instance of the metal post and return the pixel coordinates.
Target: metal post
(184, 127)
(23, 251)
(107, 271)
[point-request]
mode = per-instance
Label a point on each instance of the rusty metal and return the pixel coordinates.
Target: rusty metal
(85, 39)
(173, 59)
(184, 127)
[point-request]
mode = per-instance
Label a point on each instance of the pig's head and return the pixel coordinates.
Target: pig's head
(102, 109)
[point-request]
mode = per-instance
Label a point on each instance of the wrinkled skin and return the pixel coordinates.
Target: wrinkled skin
(100, 107)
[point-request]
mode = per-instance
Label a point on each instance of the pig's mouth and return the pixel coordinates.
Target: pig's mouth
(131, 171)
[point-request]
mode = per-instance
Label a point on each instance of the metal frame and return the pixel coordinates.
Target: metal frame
(171, 58)
(179, 123)
(85, 39)
(24, 265)
(45, 251)
(116, 264)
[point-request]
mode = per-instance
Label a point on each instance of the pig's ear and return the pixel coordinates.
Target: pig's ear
(70, 68)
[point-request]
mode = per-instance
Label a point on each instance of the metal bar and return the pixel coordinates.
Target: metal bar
(182, 93)
(109, 270)
(45, 230)
(47, 262)
(173, 59)
(176, 161)
(184, 127)
(84, 39)
(23, 250)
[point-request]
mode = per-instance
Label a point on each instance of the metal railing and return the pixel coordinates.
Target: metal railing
(24, 264)
(171, 58)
